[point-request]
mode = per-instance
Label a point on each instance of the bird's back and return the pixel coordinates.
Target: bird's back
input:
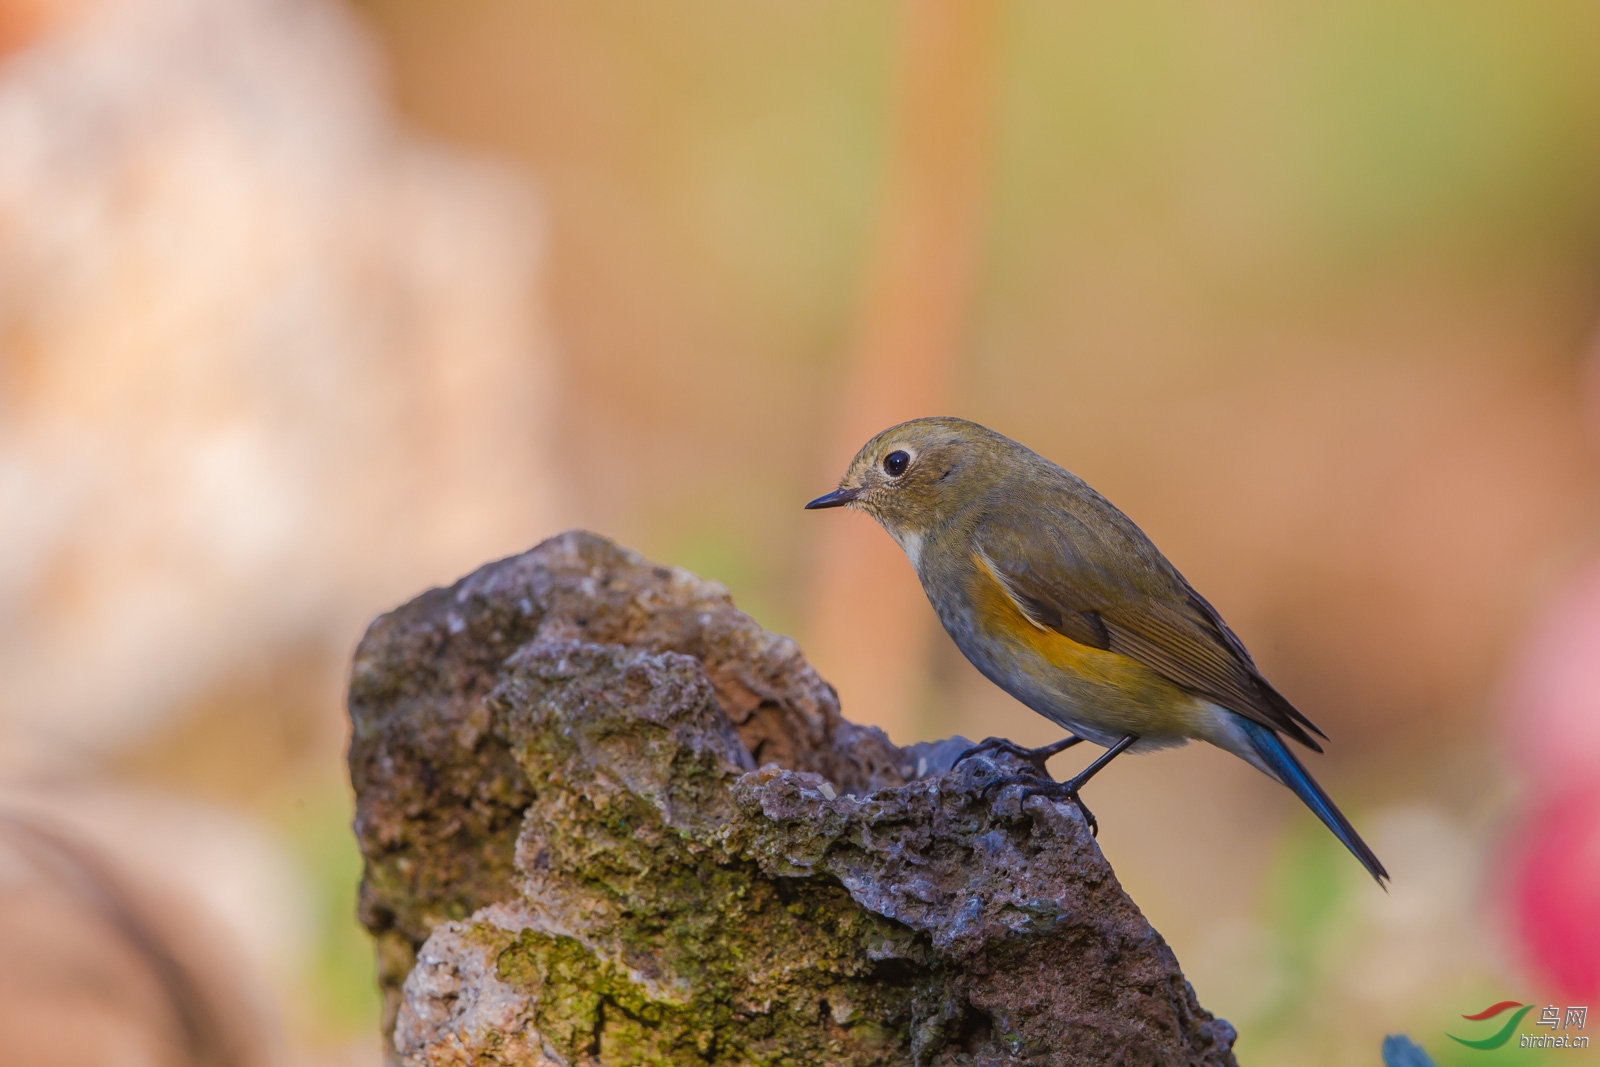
(1074, 566)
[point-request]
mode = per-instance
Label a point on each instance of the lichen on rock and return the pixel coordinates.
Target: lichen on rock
(609, 820)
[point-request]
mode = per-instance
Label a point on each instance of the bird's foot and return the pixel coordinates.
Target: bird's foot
(1032, 786)
(1033, 757)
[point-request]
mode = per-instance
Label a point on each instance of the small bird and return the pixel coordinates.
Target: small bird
(1060, 600)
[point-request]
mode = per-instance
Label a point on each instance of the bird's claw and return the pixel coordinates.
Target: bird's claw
(1031, 786)
(1033, 757)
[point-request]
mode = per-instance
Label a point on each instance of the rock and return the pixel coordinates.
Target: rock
(608, 820)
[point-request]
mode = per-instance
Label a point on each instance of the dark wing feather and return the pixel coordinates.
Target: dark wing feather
(1084, 627)
(1105, 585)
(1203, 606)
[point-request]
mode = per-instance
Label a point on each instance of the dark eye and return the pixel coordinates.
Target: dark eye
(895, 463)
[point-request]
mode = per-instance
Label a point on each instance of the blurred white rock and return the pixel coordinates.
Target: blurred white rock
(269, 362)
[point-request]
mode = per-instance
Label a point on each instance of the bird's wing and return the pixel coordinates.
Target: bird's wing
(1107, 587)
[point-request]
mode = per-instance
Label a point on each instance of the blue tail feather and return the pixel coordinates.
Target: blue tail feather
(1288, 770)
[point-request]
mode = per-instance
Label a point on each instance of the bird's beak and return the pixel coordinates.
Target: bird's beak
(836, 499)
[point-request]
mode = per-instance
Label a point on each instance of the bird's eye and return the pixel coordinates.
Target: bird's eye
(895, 463)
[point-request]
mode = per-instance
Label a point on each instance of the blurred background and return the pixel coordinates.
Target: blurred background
(305, 307)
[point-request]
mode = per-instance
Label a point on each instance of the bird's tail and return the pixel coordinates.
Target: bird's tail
(1287, 769)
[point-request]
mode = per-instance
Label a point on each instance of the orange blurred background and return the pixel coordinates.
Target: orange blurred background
(304, 308)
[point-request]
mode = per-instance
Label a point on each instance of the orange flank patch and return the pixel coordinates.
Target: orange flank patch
(1124, 694)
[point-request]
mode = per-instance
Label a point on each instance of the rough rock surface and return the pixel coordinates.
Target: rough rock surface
(608, 819)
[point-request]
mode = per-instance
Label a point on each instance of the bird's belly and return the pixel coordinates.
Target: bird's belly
(1097, 694)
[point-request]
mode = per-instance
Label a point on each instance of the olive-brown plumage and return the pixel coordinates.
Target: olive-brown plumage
(1058, 598)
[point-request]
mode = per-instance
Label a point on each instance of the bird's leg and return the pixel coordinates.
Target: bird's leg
(1033, 757)
(1067, 790)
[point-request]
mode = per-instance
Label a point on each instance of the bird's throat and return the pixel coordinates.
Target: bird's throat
(910, 542)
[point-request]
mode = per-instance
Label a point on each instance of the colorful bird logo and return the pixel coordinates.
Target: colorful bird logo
(1501, 1036)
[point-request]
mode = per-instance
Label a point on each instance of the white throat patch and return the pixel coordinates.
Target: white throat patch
(911, 543)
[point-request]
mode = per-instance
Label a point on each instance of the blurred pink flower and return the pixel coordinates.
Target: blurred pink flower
(1553, 696)
(1555, 889)
(1552, 724)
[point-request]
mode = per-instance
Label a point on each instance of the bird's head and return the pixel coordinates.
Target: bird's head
(917, 476)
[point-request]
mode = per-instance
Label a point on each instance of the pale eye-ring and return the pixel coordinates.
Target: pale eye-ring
(895, 463)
